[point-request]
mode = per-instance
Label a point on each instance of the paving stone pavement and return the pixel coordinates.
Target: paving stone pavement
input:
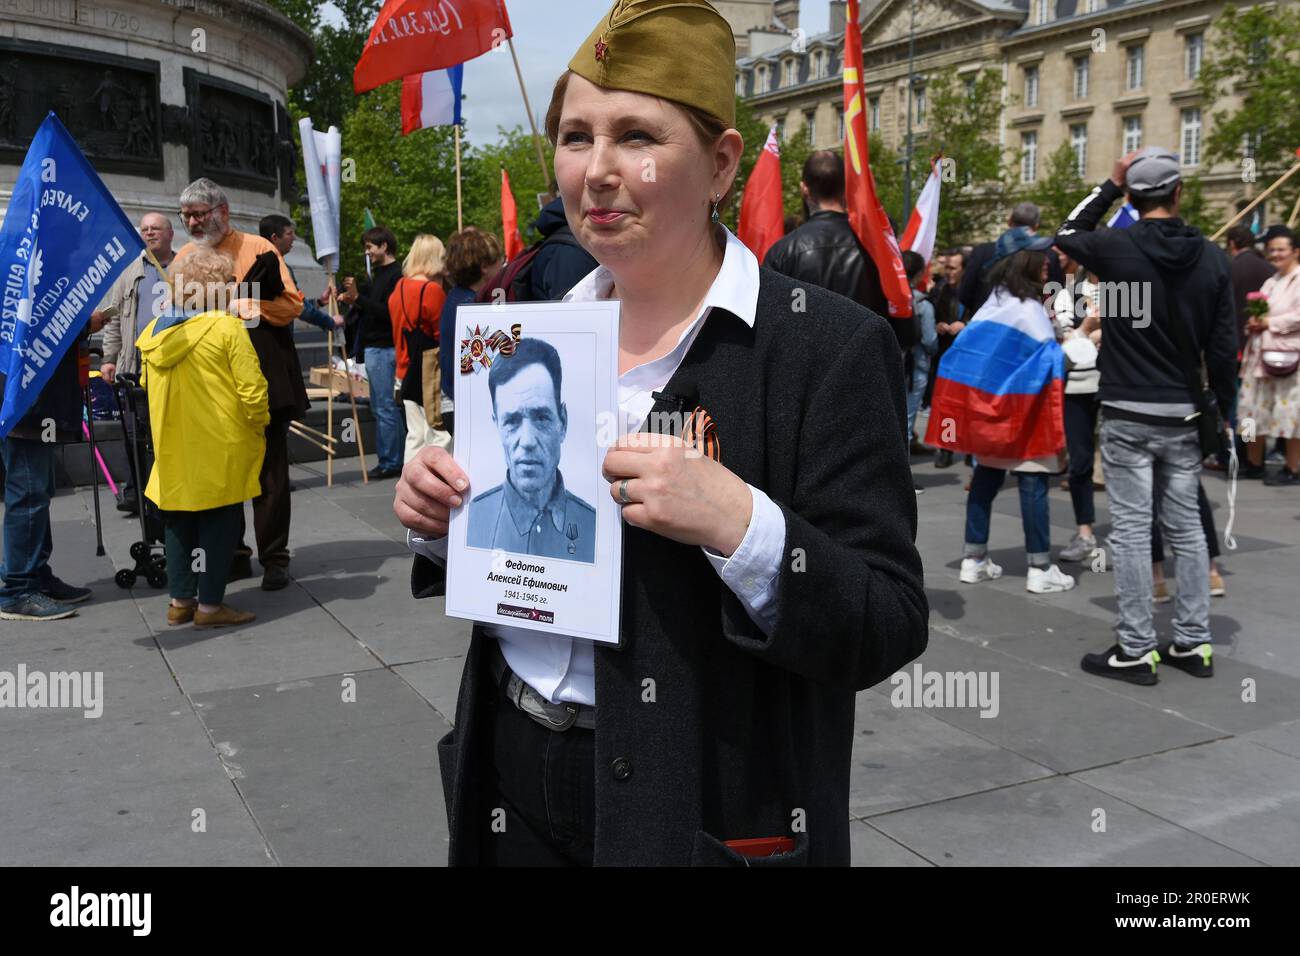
(309, 737)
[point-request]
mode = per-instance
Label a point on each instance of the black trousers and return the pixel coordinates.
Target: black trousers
(539, 799)
(1081, 441)
(271, 509)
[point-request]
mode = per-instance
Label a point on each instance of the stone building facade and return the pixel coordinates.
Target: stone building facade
(158, 93)
(1105, 76)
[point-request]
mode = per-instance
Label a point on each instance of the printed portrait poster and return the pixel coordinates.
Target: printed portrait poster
(538, 543)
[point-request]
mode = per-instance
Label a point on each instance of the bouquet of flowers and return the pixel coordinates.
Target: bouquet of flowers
(1256, 305)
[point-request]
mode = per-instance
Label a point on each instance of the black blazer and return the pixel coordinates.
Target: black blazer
(750, 734)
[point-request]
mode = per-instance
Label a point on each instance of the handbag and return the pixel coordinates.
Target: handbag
(1280, 362)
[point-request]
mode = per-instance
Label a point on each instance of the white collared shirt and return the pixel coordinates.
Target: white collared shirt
(564, 669)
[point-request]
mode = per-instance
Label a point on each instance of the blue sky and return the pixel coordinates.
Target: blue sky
(547, 34)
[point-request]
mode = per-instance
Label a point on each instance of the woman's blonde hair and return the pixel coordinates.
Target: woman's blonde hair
(201, 279)
(425, 258)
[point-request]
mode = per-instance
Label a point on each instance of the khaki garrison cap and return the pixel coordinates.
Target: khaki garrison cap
(680, 50)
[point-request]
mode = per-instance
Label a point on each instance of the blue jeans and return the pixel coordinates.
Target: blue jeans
(1143, 462)
(984, 486)
(916, 389)
(390, 420)
(29, 486)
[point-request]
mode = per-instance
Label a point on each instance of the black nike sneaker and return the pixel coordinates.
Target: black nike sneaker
(1113, 662)
(1197, 661)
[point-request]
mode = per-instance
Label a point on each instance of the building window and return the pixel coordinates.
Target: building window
(1191, 153)
(1031, 86)
(918, 97)
(1250, 143)
(780, 129)
(810, 123)
(1257, 55)
(740, 84)
(1136, 65)
(1132, 133)
(873, 113)
(789, 73)
(1079, 143)
(841, 115)
(760, 80)
(1193, 52)
(1029, 157)
(1081, 78)
(819, 64)
(969, 85)
(1042, 11)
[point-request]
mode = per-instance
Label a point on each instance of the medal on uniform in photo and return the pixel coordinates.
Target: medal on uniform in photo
(538, 542)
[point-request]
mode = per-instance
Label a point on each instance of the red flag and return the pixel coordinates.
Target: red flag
(866, 215)
(510, 218)
(415, 36)
(762, 210)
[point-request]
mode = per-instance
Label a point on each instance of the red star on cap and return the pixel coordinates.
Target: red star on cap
(602, 49)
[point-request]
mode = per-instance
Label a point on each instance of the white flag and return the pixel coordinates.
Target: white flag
(322, 160)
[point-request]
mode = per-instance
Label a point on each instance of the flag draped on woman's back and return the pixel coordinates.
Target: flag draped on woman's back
(998, 393)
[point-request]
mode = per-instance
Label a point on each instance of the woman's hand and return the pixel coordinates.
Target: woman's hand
(1256, 324)
(677, 492)
(431, 485)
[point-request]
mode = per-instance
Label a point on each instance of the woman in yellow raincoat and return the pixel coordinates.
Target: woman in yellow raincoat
(208, 406)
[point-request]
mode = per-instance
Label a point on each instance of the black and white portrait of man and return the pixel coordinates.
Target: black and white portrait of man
(531, 512)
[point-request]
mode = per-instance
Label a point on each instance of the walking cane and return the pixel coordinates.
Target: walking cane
(94, 474)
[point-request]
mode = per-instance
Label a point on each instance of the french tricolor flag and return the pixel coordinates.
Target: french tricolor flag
(431, 99)
(1124, 217)
(999, 390)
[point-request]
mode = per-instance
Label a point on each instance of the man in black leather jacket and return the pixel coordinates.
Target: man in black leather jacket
(825, 251)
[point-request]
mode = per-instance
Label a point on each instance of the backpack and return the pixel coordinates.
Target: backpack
(516, 277)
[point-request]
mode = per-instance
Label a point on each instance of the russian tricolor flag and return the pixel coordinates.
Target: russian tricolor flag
(431, 99)
(999, 390)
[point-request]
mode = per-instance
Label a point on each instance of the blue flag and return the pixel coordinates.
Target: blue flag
(64, 242)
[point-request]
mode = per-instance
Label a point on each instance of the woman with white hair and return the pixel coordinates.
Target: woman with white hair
(415, 307)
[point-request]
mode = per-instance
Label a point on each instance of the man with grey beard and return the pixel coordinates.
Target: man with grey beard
(135, 300)
(269, 315)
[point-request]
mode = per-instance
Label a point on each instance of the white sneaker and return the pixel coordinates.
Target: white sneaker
(974, 570)
(1049, 581)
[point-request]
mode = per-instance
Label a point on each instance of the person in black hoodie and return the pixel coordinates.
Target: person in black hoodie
(376, 350)
(560, 263)
(1167, 273)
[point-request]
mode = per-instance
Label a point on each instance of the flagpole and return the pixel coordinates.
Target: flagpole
(329, 394)
(537, 138)
(460, 212)
(1258, 199)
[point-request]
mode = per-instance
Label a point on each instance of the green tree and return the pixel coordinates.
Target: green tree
(1256, 54)
(409, 182)
(1059, 190)
(1195, 210)
(962, 124)
(325, 93)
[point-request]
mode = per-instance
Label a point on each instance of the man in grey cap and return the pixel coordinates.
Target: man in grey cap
(1151, 401)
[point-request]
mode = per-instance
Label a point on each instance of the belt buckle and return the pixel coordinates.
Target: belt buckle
(539, 709)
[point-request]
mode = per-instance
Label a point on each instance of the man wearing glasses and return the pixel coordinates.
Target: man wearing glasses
(268, 313)
(135, 300)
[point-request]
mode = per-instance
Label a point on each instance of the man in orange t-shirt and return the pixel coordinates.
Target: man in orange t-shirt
(205, 214)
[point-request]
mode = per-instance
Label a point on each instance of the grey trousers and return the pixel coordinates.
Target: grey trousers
(1141, 460)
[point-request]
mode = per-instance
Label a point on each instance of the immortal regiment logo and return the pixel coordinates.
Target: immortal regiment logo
(945, 689)
(479, 349)
(75, 908)
(63, 242)
(57, 690)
